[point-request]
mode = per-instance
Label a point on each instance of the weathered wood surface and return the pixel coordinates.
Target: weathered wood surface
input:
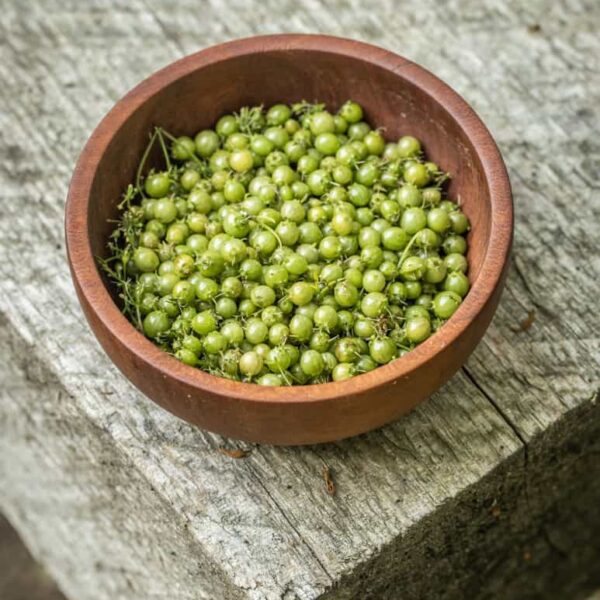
(483, 488)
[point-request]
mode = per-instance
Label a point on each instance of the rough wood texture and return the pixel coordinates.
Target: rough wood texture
(483, 487)
(187, 97)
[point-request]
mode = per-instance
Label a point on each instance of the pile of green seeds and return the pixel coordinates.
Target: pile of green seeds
(289, 246)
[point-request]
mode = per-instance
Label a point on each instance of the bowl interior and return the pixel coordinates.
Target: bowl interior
(196, 100)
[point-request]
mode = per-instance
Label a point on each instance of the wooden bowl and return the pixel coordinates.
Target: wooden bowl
(191, 94)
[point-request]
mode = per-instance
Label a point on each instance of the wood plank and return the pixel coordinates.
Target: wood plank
(68, 485)
(264, 527)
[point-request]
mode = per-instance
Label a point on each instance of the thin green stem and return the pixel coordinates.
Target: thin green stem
(274, 233)
(407, 249)
(173, 139)
(163, 146)
(138, 175)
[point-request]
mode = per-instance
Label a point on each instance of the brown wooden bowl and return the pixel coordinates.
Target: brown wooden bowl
(190, 95)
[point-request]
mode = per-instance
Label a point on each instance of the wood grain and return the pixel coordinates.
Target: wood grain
(414, 495)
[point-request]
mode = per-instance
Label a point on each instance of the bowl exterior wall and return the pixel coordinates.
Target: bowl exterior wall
(188, 96)
(299, 422)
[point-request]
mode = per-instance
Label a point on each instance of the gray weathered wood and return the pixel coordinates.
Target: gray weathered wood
(122, 500)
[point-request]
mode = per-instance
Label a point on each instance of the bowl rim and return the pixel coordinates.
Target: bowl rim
(92, 289)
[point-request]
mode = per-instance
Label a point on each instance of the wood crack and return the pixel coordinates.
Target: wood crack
(290, 523)
(496, 406)
(521, 274)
